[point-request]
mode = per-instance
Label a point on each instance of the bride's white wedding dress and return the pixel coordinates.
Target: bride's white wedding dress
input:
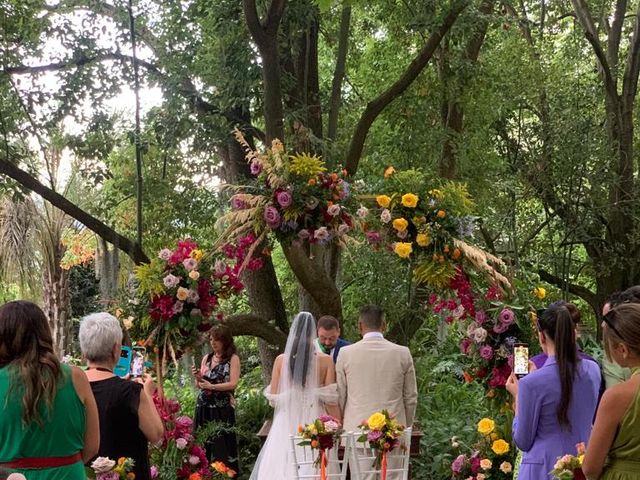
(299, 400)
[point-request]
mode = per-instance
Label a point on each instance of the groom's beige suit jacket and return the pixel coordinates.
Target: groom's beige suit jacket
(375, 374)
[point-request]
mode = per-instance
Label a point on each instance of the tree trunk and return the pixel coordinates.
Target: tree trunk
(56, 302)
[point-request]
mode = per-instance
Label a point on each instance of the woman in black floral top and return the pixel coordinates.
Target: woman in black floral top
(217, 379)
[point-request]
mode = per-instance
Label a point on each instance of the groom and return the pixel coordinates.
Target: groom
(375, 374)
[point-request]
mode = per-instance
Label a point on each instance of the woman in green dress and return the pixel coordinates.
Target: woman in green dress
(614, 447)
(48, 416)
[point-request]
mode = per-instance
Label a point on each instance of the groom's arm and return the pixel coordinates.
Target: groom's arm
(341, 380)
(410, 390)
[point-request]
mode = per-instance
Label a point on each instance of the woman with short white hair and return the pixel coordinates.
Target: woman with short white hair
(128, 417)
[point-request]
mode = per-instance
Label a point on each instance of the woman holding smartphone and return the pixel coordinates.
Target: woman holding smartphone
(217, 379)
(554, 404)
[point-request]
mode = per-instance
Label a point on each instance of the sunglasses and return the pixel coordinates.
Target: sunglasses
(609, 318)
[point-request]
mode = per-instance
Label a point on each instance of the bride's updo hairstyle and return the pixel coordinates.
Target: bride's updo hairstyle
(302, 347)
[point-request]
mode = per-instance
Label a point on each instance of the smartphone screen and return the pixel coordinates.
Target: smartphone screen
(138, 362)
(520, 359)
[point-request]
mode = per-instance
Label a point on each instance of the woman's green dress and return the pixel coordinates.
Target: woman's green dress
(624, 456)
(61, 435)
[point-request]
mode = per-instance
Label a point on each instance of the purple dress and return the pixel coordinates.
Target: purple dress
(536, 430)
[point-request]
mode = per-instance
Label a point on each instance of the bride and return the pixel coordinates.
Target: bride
(303, 387)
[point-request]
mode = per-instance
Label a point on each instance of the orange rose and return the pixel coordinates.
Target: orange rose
(456, 253)
(467, 377)
(314, 444)
(441, 214)
(312, 181)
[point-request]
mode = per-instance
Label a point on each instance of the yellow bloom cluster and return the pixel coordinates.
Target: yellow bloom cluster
(539, 293)
(400, 224)
(500, 447)
(377, 421)
(486, 426)
(410, 200)
(403, 249)
(305, 165)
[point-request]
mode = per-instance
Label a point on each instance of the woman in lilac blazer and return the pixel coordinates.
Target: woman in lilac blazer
(556, 403)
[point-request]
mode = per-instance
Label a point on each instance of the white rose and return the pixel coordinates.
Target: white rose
(385, 216)
(103, 464)
(362, 211)
(334, 210)
(479, 335)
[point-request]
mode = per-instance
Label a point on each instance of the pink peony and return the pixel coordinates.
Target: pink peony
(181, 443)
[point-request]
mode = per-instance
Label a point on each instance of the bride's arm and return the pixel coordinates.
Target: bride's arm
(329, 379)
(275, 375)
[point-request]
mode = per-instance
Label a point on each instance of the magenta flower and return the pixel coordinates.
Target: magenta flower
(154, 471)
(458, 464)
(255, 167)
(481, 317)
(500, 328)
(486, 352)
(237, 204)
(506, 316)
(374, 436)
(373, 237)
(284, 198)
(272, 217)
(465, 345)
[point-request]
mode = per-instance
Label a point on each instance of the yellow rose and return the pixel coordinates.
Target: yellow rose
(403, 249)
(383, 201)
(506, 467)
(580, 459)
(410, 200)
(423, 239)
(182, 294)
(539, 293)
(500, 447)
(194, 275)
(486, 426)
(485, 464)
(377, 421)
(197, 254)
(400, 224)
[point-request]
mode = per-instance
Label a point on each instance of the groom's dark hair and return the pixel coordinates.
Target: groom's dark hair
(372, 316)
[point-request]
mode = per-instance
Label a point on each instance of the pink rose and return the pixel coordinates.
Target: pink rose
(153, 471)
(184, 422)
(334, 210)
(272, 217)
(506, 316)
(255, 167)
(284, 198)
(181, 443)
(486, 352)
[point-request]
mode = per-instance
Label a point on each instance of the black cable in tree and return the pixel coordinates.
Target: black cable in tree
(136, 133)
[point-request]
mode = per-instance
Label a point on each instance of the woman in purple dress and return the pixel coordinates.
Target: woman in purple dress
(556, 403)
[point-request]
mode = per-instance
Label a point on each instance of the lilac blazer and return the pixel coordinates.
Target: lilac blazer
(536, 429)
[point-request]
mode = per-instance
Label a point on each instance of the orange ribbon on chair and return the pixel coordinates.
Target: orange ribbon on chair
(383, 466)
(323, 464)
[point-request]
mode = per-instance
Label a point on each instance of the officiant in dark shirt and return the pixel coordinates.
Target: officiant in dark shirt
(329, 340)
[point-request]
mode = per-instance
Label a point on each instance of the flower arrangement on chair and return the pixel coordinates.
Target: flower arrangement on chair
(322, 434)
(382, 432)
(491, 457)
(103, 468)
(569, 467)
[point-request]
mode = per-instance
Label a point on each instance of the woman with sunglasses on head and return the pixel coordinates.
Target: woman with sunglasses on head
(554, 404)
(614, 447)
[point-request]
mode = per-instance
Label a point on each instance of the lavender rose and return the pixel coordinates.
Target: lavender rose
(284, 199)
(272, 217)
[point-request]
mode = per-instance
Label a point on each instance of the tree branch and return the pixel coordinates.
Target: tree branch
(315, 280)
(92, 223)
(630, 81)
(615, 33)
(256, 326)
(377, 105)
(590, 32)
(339, 73)
(575, 289)
(253, 21)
